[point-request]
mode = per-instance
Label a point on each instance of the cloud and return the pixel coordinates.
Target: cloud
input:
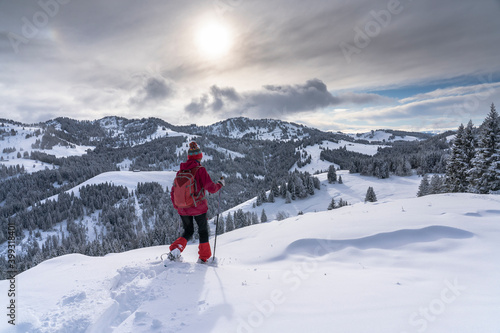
(276, 100)
(439, 109)
(350, 98)
(214, 101)
(82, 59)
(284, 99)
(271, 100)
(155, 90)
(486, 88)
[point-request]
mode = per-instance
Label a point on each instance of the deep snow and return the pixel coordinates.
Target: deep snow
(402, 264)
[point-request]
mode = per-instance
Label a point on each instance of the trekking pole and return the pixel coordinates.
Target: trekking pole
(216, 226)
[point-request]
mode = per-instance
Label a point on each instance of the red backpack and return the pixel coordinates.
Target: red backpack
(185, 189)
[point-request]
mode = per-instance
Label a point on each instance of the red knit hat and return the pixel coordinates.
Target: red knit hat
(194, 152)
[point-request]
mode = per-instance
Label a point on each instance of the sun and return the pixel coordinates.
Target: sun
(213, 39)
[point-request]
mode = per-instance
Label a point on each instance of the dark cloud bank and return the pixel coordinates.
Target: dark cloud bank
(275, 100)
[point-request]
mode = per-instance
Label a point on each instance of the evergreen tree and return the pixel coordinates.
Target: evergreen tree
(469, 144)
(340, 180)
(424, 187)
(258, 201)
(460, 161)
(300, 188)
(263, 216)
(332, 204)
(342, 203)
(484, 177)
(240, 220)
(263, 196)
(270, 198)
(283, 189)
(254, 218)
(437, 185)
(370, 195)
(275, 188)
(456, 172)
(229, 223)
(310, 185)
(332, 174)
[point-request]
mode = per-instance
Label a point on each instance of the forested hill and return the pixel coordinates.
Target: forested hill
(260, 129)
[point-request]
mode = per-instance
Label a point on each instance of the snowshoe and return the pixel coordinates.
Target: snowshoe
(210, 262)
(174, 255)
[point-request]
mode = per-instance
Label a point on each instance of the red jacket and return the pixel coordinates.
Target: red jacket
(203, 182)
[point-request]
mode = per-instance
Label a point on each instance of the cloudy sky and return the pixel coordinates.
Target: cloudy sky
(331, 64)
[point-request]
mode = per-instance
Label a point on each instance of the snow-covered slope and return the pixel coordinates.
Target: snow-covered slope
(389, 136)
(353, 190)
(123, 129)
(127, 179)
(314, 152)
(397, 265)
(17, 140)
(259, 129)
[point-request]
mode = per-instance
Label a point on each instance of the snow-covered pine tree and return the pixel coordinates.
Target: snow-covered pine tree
(424, 187)
(469, 147)
(258, 201)
(275, 188)
(229, 223)
(340, 180)
(270, 198)
(459, 163)
(332, 174)
(370, 195)
(332, 204)
(263, 216)
(263, 195)
(310, 185)
(484, 177)
(240, 220)
(342, 203)
(456, 174)
(283, 189)
(254, 218)
(437, 185)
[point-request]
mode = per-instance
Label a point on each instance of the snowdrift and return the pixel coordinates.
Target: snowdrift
(411, 265)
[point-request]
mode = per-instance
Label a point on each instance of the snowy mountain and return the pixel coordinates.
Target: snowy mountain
(397, 265)
(62, 137)
(259, 129)
(386, 135)
(18, 141)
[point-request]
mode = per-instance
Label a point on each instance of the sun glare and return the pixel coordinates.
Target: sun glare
(213, 39)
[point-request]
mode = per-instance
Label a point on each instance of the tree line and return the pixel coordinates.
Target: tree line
(474, 162)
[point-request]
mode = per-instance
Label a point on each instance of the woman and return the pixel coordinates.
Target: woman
(198, 211)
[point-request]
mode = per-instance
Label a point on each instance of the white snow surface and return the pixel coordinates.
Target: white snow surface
(260, 133)
(23, 145)
(129, 179)
(402, 264)
(315, 151)
(383, 136)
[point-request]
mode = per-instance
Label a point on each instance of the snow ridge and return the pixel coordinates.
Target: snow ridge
(370, 263)
(385, 241)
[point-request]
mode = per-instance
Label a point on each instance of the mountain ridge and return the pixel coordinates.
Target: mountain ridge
(113, 131)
